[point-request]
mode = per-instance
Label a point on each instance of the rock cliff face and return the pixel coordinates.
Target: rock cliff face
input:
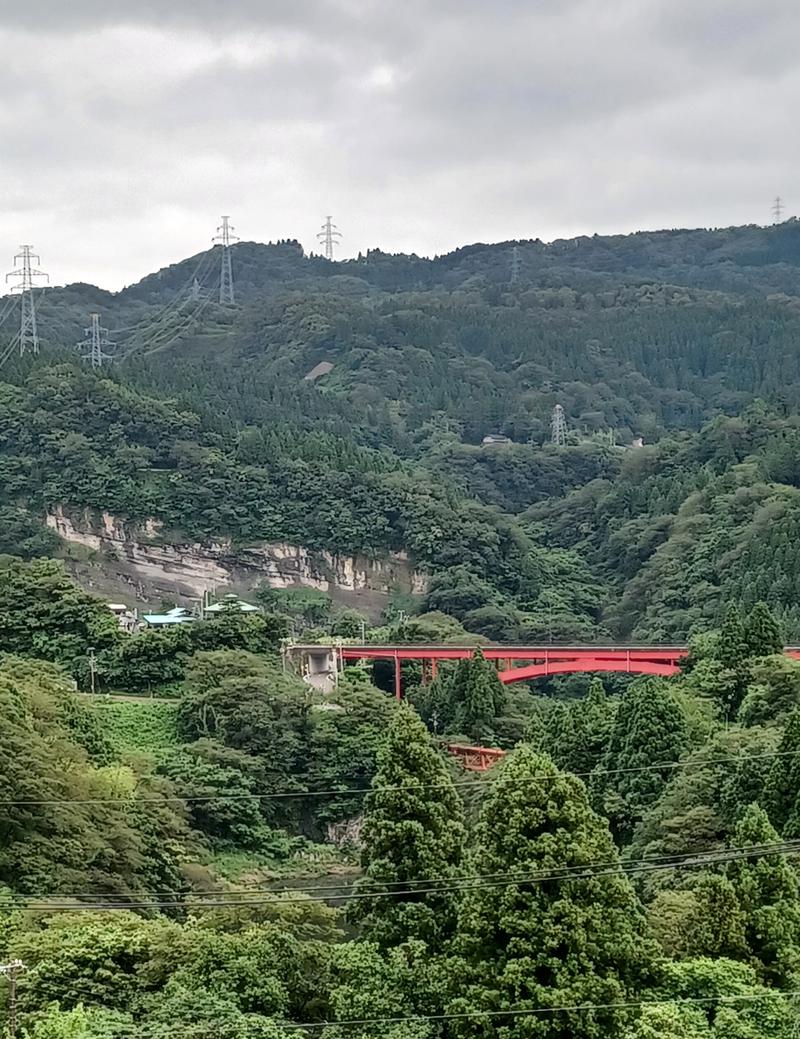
(136, 560)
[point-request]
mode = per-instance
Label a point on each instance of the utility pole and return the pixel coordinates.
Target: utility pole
(777, 209)
(515, 265)
(558, 427)
(96, 339)
(92, 670)
(25, 272)
(225, 237)
(12, 971)
(194, 292)
(330, 237)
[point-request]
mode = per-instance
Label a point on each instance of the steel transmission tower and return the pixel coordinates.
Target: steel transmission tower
(330, 237)
(95, 341)
(558, 426)
(515, 265)
(225, 237)
(25, 272)
(12, 971)
(777, 209)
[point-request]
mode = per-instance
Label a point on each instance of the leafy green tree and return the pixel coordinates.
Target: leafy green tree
(547, 944)
(21, 534)
(346, 731)
(734, 1000)
(222, 804)
(78, 1023)
(44, 614)
(458, 591)
(90, 959)
(773, 692)
(206, 1014)
(649, 731)
(66, 824)
(670, 1021)
(767, 889)
(260, 715)
(149, 659)
(732, 652)
(231, 629)
(348, 624)
(403, 981)
(762, 632)
(248, 704)
(413, 832)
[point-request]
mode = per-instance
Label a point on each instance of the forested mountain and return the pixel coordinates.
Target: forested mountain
(210, 847)
(209, 424)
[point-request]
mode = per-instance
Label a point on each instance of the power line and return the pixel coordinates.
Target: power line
(176, 302)
(166, 336)
(25, 273)
(225, 237)
(633, 1004)
(578, 872)
(330, 236)
(529, 1011)
(514, 876)
(353, 791)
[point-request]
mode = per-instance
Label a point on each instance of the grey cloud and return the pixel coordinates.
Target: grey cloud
(422, 125)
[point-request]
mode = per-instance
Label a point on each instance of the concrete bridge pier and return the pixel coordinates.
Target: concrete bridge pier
(318, 665)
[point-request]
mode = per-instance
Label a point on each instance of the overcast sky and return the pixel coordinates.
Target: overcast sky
(129, 126)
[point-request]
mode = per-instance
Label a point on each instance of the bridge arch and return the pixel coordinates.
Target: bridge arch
(571, 667)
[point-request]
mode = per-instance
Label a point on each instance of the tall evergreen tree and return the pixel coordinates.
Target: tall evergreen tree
(783, 786)
(478, 698)
(717, 926)
(732, 645)
(594, 723)
(762, 632)
(733, 652)
(541, 944)
(413, 832)
(767, 889)
(649, 730)
(577, 733)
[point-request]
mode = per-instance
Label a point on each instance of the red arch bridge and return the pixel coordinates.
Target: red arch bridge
(319, 665)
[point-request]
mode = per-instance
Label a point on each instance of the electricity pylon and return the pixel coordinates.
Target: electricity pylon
(25, 272)
(96, 339)
(515, 265)
(558, 426)
(330, 237)
(225, 237)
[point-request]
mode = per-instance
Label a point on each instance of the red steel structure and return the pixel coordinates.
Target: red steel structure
(476, 759)
(519, 663)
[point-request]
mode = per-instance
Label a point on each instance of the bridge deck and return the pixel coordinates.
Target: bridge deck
(517, 663)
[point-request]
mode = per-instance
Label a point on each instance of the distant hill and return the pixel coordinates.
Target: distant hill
(211, 423)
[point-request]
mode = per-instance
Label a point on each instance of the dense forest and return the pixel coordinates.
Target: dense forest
(195, 842)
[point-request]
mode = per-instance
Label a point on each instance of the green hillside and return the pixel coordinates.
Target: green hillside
(208, 424)
(177, 853)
